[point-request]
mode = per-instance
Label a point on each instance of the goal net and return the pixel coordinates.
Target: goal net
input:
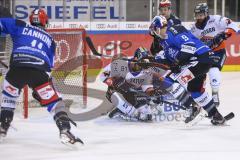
(70, 70)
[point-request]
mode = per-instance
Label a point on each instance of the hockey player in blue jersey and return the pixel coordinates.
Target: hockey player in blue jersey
(191, 60)
(31, 60)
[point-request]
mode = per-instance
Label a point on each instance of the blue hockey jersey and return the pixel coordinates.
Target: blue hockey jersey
(32, 46)
(180, 40)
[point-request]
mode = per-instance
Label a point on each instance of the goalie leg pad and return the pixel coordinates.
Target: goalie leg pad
(10, 95)
(179, 93)
(122, 104)
(46, 94)
(176, 90)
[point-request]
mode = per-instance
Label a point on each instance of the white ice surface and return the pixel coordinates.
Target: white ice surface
(37, 137)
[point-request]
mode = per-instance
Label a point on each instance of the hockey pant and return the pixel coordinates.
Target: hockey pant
(39, 81)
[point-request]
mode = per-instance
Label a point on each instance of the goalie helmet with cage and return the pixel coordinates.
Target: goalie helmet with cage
(141, 56)
(38, 18)
(201, 8)
(140, 53)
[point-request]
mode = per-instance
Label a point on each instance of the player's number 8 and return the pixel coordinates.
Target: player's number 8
(185, 38)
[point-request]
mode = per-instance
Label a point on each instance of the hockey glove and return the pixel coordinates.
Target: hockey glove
(218, 39)
(175, 68)
(109, 93)
(120, 85)
(155, 46)
(108, 81)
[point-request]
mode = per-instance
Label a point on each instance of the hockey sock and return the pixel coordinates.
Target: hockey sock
(62, 120)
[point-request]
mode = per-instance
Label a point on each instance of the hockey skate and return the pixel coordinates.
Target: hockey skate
(143, 117)
(3, 132)
(63, 124)
(136, 116)
(143, 114)
(198, 117)
(67, 137)
(193, 112)
(115, 113)
(218, 119)
(6, 118)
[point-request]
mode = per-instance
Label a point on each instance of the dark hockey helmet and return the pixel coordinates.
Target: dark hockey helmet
(201, 8)
(140, 53)
(38, 17)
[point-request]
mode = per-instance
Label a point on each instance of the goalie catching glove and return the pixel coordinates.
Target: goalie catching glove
(117, 83)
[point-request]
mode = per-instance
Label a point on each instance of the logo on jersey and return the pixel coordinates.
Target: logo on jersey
(136, 81)
(11, 90)
(172, 52)
(186, 78)
(46, 92)
(208, 30)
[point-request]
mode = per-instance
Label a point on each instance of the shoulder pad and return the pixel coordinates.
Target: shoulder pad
(175, 19)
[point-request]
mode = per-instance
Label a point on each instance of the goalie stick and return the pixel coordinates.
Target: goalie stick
(96, 53)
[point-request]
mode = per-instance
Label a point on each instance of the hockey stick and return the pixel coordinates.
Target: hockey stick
(229, 116)
(96, 53)
(161, 100)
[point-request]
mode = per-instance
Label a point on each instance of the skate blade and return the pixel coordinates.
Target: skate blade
(202, 114)
(75, 146)
(65, 140)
